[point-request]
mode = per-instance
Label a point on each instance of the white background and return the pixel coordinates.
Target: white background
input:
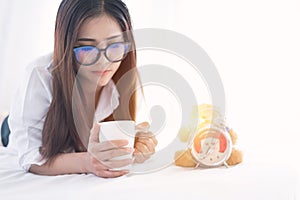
(255, 46)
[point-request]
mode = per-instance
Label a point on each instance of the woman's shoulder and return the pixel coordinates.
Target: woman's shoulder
(42, 64)
(39, 68)
(38, 74)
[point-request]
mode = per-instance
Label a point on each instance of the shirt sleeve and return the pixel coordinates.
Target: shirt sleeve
(27, 115)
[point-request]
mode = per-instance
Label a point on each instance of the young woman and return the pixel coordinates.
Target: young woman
(52, 119)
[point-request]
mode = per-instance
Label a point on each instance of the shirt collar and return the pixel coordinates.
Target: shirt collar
(108, 101)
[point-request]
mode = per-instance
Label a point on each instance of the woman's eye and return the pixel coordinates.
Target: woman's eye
(84, 48)
(115, 45)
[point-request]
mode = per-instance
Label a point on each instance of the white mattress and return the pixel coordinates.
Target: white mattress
(245, 181)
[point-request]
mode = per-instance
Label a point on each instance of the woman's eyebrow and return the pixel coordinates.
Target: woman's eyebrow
(87, 39)
(112, 37)
(93, 40)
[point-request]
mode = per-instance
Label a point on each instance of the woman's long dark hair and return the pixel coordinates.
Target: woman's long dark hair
(60, 133)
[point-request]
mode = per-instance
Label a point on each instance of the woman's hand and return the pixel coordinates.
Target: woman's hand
(144, 144)
(99, 155)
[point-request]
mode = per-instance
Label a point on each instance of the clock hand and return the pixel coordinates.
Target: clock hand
(209, 150)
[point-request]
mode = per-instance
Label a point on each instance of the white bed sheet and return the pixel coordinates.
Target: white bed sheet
(245, 181)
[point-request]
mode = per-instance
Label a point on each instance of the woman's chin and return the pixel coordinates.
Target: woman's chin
(104, 79)
(102, 82)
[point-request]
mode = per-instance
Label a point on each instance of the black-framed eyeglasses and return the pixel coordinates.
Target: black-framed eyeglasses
(88, 55)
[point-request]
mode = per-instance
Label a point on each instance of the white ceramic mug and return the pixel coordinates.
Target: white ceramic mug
(118, 130)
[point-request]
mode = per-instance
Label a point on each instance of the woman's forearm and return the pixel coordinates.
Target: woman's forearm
(66, 163)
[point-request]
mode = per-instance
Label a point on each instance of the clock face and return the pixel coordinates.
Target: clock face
(211, 147)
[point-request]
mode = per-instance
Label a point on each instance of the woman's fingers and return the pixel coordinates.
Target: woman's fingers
(107, 145)
(143, 148)
(110, 149)
(141, 153)
(140, 157)
(106, 155)
(117, 163)
(147, 135)
(154, 140)
(112, 144)
(103, 169)
(149, 144)
(112, 174)
(142, 127)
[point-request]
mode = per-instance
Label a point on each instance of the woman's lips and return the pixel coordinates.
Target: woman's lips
(101, 73)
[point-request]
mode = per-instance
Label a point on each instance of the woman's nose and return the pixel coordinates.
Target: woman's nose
(102, 62)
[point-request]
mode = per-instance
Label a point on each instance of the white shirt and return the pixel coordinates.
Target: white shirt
(30, 106)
